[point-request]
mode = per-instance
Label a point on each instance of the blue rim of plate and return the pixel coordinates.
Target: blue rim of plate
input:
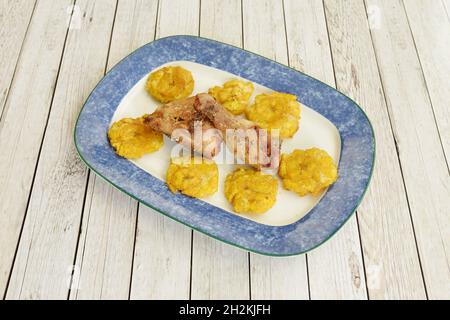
(320, 224)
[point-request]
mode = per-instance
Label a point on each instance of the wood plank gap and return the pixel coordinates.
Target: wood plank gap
(134, 249)
(249, 277)
(286, 33)
(307, 276)
(40, 148)
(397, 151)
(158, 7)
(85, 239)
(362, 255)
(79, 233)
(191, 262)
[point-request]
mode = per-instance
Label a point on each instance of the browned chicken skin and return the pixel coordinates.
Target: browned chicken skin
(183, 119)
(180, 120)
(244, 138)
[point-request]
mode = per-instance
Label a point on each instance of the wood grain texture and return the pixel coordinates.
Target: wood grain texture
(222, 21)
(219, 271)
(446, 4)
(178, 17)
(106, 246)
(423, 162)
(430, 26)
(105, 249)
(162, 258)
(335, 269)
(46, 251)
(163, 247)
(23, 124)
(80, 238)
(264, 33)
(392, 265)
(14, 20)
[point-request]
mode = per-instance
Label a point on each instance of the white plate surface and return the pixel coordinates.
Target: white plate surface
(315, 131)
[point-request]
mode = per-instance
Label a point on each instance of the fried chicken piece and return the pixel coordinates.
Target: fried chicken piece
(184, 124)
(244, 138)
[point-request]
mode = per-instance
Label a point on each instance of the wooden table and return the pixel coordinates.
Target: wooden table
(66, 234)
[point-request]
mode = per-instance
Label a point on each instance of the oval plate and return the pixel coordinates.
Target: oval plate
(333, 210)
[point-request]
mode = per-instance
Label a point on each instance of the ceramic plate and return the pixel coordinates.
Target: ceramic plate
(329, 120)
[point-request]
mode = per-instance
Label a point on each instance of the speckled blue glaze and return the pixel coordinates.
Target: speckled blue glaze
(338, 204)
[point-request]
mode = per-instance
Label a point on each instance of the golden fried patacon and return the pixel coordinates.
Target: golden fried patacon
(307, 171)
(250, 191)
(170, 83)
(196, 177)
(234, 95)
(276, 111)
(131, 138)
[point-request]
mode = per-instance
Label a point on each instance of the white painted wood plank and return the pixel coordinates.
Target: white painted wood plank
(24, 121)
(447, 8)
(390, 255)
(222, 21)
(219, 271)
(430, 25)
(264, 31)
(14, 19)
(335, 269)
(106, 246)
(423, 162)
(105, 250)
(163, 247)
(278, 277)
(178, 17)
(272, 278)
(307, 38)
(47, 248)
(162, 256)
